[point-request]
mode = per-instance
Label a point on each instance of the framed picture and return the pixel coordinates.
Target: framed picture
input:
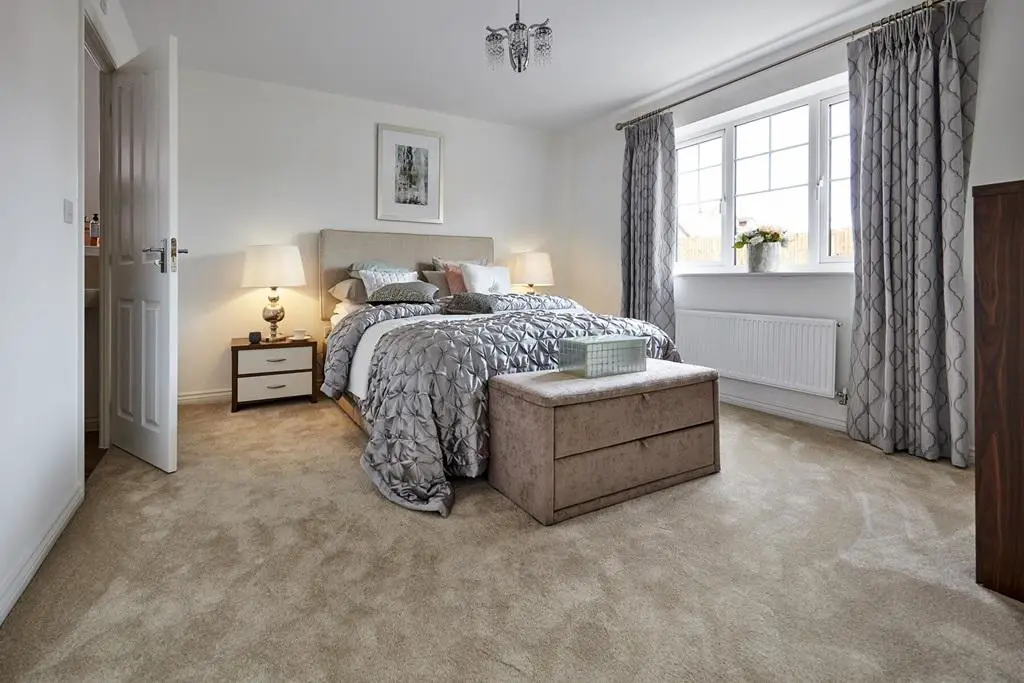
(410, 175)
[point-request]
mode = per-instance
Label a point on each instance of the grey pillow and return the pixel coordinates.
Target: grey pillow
(468, 303)
(352, 290)
(439, 279)
(476, 302)
(404, 293)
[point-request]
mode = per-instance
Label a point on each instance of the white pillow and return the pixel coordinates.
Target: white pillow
(374, 279)
(486, 279)
(343, 310)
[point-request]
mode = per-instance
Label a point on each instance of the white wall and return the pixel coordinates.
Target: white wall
(40, 275)
(999, 123)
(262, 163)
(589, 174)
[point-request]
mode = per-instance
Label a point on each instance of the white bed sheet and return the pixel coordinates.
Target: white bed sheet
(359, 371)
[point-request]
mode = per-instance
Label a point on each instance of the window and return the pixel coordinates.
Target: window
(772, 176)
(839, 201)
(787, 167)
(700, 197)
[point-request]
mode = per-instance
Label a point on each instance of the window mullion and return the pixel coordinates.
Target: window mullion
(826, 164)
(729, 193)
(814, 234)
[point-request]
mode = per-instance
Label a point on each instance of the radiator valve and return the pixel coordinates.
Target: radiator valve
(843, 397)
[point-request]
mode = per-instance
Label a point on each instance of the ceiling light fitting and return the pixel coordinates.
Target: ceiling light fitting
(522, 41)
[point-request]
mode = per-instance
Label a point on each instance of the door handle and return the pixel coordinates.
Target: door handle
(163, 263)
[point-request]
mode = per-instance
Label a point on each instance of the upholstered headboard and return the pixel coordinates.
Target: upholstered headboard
(339, 249)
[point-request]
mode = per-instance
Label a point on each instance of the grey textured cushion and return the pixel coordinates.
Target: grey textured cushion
(475, 302)
(439, 279)
(404, 293)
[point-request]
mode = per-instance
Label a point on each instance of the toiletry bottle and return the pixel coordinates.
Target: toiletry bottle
(86, 232)
(94, 230)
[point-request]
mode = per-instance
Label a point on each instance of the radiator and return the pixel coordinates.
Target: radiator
(790, 353)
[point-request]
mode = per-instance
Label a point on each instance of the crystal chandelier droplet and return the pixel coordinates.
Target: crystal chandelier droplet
(523, 41)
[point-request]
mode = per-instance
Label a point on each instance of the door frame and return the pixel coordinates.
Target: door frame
(93, 43)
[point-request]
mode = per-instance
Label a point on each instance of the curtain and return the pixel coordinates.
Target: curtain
(913, 86)
(649, 222)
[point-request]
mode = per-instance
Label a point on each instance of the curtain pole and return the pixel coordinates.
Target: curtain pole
(928, 4)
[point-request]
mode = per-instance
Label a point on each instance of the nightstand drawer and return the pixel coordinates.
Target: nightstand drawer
(275, 386)
(257, 361)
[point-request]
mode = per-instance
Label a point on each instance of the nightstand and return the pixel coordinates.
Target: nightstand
(271, 371)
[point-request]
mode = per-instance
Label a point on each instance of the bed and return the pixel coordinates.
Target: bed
(339, 249)
(414, 378)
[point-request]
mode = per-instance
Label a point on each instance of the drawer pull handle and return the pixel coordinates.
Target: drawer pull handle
(276, 386)
(276, 360)
(646, 397)
(643, 444)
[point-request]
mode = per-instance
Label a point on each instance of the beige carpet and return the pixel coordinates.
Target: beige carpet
(268, 556)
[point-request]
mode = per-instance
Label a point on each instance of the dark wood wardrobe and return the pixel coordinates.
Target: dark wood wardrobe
(999, 385)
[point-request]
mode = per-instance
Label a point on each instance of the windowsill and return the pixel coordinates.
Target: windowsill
(709, 272)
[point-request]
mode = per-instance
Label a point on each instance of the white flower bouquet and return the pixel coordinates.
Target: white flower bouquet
(763, 235)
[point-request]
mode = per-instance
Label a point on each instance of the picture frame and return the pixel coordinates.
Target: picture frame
(410, 175)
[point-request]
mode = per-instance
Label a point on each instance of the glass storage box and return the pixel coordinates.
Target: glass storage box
(603, 355)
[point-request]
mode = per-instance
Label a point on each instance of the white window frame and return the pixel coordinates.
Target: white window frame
(825, 182)
(726, 205)
(817, 103)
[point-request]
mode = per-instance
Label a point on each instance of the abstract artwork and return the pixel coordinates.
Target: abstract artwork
(412, 175)
(409, 175)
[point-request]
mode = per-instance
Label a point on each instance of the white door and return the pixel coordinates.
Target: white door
(143, 279)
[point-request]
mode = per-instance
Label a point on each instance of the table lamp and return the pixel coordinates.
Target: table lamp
(273, 266)
(532, 269)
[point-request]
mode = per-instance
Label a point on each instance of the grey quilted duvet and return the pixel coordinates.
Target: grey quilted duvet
(426, 403)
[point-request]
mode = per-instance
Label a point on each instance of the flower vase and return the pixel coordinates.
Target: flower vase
(764, 257)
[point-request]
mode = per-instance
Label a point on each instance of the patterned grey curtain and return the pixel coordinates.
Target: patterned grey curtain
(913, 86)
(649, 222)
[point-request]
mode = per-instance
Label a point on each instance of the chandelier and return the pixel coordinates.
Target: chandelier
(519, 37)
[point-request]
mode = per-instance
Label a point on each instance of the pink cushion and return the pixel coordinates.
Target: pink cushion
(456, 283)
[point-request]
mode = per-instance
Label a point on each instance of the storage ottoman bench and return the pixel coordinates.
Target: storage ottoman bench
(562, 446)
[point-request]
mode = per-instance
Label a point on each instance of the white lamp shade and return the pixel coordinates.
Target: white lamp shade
(532, 268)
(273, 265)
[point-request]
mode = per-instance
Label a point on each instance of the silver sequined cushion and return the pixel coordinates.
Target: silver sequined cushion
(404, 293)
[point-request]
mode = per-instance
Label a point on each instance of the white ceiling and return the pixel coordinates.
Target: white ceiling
(429, 54)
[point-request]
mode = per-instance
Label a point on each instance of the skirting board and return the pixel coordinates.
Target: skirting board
(196, 397)
(782, 411)
(16, 584)
(215, 396)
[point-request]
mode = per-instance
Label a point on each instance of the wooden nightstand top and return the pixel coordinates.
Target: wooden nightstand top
(243, 343)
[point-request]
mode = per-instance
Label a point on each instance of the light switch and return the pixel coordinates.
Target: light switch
(69, 211)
